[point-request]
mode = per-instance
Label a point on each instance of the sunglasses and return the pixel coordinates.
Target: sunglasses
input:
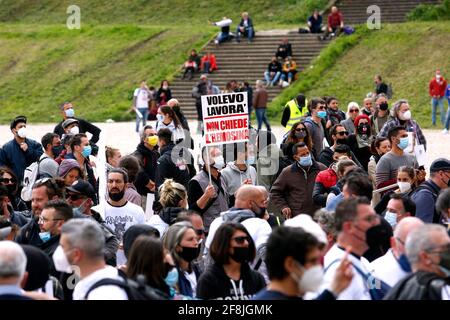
(6, 180)
(354, 110)
(342, 133)
(75, 197)
(300, 130)
(200, 232)
(241, 240)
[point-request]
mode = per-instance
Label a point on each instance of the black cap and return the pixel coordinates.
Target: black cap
(135, 231)
(38, 267)
(440, 164)
(17, 120)
(82, 187)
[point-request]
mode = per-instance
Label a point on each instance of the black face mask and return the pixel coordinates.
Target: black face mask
(57, 151)
(384, 106)
(341, 141)
(189, 254)
(12, 188)
(241, 254)
(378, 238)
(116, 196)
(364, 129)
(260, 212)
(300, 135)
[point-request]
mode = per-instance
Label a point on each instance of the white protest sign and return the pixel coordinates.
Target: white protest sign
(225, 118)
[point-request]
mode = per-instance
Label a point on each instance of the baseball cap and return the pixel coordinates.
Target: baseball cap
(17, 120)
(440, 164)
(68, 122)
(82, 187)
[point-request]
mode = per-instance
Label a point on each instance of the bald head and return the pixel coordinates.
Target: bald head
(401, 232)
(247, 192)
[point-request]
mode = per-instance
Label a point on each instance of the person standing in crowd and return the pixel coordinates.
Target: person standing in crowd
(43, 191)
(268, 159)
(352, 113)
(260, 104)
(273, 72)
(334, 115)
(81, 196)
(354, 217)
(9, 180)
(70, 126)
(113, 156)
(48, 167)
(315, 22)
(368, 110)
(70, 171)
(21, 151)
(379, 147)
(131, 166)
(82, 244)
(175, 105)
(232, 249)
(13, 262)
(84, 126)
(394, 265)
(402, 117)
(141, 98)
(437, 88)
(293, 261)
(205, 197)
(426, 194)
(245, 28)
(380, 86)
(292, 191)
(119, 213)
(203, 87)
(427, 250)
(224, 34)
(163, 94)
(181, 241)
(167, 119)
(294, 111)
(386, 171)
(360, 142)
(443, 206)
(381, 114)
(315, 125)
(298, 133)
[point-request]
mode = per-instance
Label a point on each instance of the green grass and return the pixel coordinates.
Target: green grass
(427, 12)
(406, 55)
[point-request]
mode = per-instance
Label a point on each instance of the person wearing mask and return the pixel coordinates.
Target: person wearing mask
(163, 94)
(13, 262)
(354, 218)
(48, 167)
(273, 72)
(113, 156)
(205, 197)
(352, 113)
(173, 199)
(381, 114)
(380, 86)
(379, 147)
(71, 126)
(239, 172)
(70, 171)
(315, 124)
(360, 142)
(426, 194)
(402, 117)
(294, 111)
(175, 105)
(406, 182)
(81, 195)
(67, 112)
(398, 208)
(368, 110)
(146, 257)
(43, 191)
(387, 167)
(436, 88)
(131, 166)
(181, 241)
(82, 244)
(427, 250)
(298, 133)
(245, 28)
(260, 104)
(21, 151)
(293, 261)
(230, 277)
(394, 265)
(167, 119)
(292, 190)
(141, 99)
(9, 180)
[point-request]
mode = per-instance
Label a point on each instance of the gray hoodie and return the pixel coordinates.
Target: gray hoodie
(233, 177)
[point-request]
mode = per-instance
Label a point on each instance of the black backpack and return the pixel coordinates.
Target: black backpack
(420, 285)
(136, 290)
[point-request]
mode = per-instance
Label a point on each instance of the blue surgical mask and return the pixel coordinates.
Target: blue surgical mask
(172, 278)
(305, 161)
(391, 218)
(404, 263)
(404, 142)
(45, 236)
(70, 113)
(250, 160)
(86, 151)
(322, 114)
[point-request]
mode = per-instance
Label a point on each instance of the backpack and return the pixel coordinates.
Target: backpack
(348, 30)
(195, 92)
(390, 91)
(136, 290)
(30, 175)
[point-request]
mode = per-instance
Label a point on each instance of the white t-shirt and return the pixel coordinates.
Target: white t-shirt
(192, 278)
(103, 292)
(141, 98)
(156, 222)
(119, 219)
(387, 269)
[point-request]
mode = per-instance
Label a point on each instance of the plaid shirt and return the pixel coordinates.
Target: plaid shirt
(411, 126)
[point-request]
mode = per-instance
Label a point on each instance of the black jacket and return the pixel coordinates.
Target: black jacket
(215, 284)
(84, 126)
(166, 168)
(420, 285)
(29, 234)
(326, 157)
(147, 160)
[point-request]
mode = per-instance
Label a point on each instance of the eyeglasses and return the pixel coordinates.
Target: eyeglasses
(300, 129)
(6, 180)
(321, 108)
(439, 249)
(43, 220)
(400, 240)
(241, 240)
(342, 133)
(75, 197)
(354, 110)
(371, 218)
(199, 232)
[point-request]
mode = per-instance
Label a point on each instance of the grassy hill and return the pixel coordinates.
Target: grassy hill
(406, 55)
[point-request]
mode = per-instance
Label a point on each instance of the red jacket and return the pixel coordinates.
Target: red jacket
(436, 89)
(335, 19)
(212, 62)
(327, 178)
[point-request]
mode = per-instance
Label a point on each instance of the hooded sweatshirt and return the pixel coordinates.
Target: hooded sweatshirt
(215, 284)
(233, 177)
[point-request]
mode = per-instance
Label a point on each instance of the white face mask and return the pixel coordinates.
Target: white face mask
(404, 186)
(60, 261)
(22, 132)
(159, 117)
(311, 279)
(391, 217)
(74, 130)
(405, 115)
(219, 162)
